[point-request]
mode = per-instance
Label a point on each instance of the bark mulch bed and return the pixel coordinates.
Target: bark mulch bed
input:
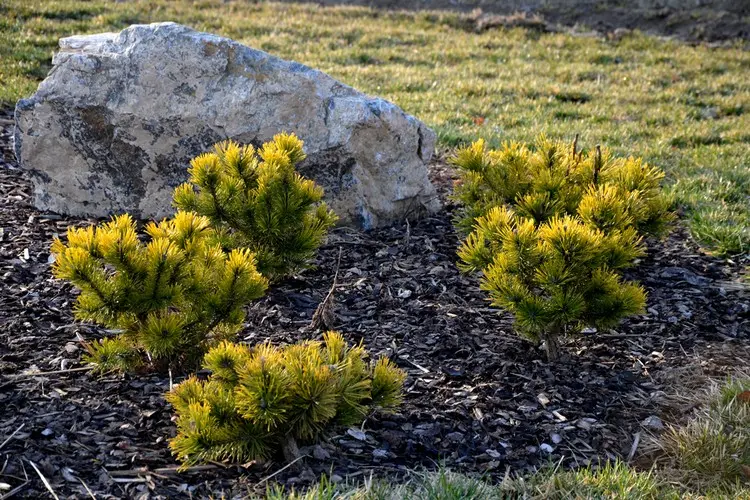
(478, 398)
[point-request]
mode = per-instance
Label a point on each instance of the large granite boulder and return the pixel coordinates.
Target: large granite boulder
(118, 118)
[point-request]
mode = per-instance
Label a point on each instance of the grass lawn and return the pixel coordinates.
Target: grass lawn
(684, 108)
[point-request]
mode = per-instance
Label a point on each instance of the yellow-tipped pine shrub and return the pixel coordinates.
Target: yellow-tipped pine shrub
(556, 278)
(259, 402)
(555, 179)
(551, 228)
(255, 199)
(169, 298)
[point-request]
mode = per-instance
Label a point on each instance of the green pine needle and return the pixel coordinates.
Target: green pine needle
(172, 295)
(549, 228)
(112, 354)
(256, 200)
(257, 399)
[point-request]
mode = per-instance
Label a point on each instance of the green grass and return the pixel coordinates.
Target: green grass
(684, 108)
(442, 485)
(613, 481)
(713, 448)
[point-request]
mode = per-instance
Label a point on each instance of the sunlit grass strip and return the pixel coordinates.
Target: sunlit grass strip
(712, 450)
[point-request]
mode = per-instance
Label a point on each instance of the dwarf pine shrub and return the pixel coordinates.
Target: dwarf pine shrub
(554, 179)
(256, 200)
(169, 298)
(556, 278)
(261, 401)
(550, 230)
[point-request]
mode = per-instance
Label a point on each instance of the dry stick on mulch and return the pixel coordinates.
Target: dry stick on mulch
(44, 480)
(88, 490)
(324, 318)
(11, 436)
(636, 441)
(15, 490)
(287, 466)
(162, 470)
(54, 372)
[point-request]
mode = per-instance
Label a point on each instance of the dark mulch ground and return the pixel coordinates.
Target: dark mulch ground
(478, 398)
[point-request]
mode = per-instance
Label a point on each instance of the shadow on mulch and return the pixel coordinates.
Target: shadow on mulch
(478, 398)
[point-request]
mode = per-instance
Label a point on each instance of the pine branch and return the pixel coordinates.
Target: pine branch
(597, 164)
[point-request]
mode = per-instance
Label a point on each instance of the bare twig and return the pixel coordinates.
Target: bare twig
(324, 317)
(11, 436)
(14, 490)
(407, 236)
(180, 470)
(55, 372)
(129, 480)
(44, 480)
(91, 493)
(282, 469)
(162, 470)
(415, 365)
(636, 441)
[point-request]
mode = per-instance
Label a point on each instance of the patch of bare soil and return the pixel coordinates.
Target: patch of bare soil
(711, 21)
(478, 398)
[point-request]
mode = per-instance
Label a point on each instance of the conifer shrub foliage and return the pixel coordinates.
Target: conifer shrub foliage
(260, 401)
(555, 278)
(551, 229)
(554, 179)
(255, 199)
(170, 297)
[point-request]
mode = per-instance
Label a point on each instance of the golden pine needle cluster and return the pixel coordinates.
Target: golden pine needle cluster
(555, 179)
(169, 297)
(551, 228)
(258, 400)
(257, 200)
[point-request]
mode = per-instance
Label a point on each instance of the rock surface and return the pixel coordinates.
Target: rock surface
(118, 118)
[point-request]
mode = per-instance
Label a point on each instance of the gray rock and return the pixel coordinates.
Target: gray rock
(653, 423)
(710, 113)
(120, 115)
